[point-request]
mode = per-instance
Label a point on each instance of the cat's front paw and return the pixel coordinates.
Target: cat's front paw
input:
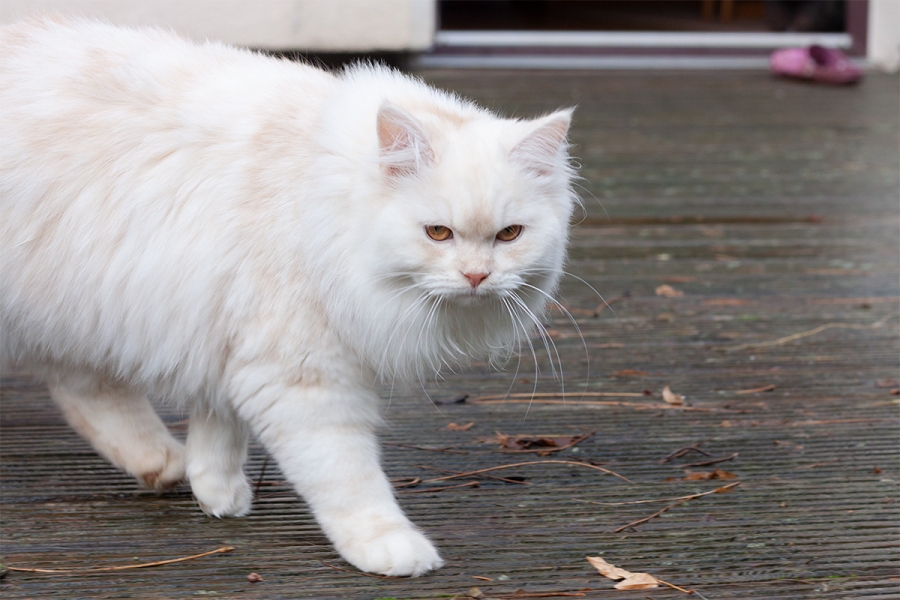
(398, 550)
(222, 496)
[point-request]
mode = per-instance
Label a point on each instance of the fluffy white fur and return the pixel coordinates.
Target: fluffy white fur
(247, 235)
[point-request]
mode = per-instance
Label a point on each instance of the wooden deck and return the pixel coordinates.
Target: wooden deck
(770, 208)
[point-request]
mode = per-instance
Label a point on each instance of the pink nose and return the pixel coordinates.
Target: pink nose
(476, 278)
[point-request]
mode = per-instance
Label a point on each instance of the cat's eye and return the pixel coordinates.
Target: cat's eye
(508, 234)
(438, 233)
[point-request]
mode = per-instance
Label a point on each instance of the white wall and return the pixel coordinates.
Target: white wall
(315, 25)
(884, 34)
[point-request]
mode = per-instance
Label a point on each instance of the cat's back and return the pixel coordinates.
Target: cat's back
(127, 157)
(52, 67)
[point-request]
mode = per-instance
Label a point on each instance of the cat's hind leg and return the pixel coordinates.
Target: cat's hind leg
(123, 427)
(216, 452)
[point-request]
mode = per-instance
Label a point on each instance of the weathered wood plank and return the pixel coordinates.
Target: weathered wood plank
(773, 208)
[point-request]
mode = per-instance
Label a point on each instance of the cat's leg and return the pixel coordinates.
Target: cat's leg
(323, 439)
(122, 426)
(216, 452)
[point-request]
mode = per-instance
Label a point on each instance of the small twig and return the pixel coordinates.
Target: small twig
(610, 302)
(724, 488)
(403, 482)
(262, 473)
(521, 594)
(532, 462)
(88, 570)
(803, 334)
(441, 489)
(531, 396)
(709, 462)
(691, 497)
(765, 388)
(526, 399)
(445, 471)
(675, 587)
(698, 594)
(411, 447)
(682, 452)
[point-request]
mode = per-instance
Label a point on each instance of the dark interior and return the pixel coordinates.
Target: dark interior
(644, 15)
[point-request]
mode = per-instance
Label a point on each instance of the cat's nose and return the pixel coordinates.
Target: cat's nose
(476, 278)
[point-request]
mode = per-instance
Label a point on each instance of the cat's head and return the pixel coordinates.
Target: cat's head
(477, 209)
(472, 228)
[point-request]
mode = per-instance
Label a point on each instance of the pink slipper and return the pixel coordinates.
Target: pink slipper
(816, 63)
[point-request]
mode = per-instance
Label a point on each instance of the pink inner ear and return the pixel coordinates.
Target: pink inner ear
(543, 151)
(403, 145)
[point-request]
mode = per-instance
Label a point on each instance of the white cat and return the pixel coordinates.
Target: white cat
(261, 240)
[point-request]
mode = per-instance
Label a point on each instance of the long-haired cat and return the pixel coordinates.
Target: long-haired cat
(261, 240)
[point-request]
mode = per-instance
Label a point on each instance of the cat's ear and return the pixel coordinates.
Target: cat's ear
(543, 150)
(403, 147)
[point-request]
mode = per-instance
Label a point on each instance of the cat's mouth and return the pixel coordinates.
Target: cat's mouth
(472, 296)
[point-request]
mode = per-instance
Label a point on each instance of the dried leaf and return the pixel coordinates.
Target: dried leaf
(707, 475)
(542, 445)
(254, 578)
(638, 581)
(672, 398)
(668, 291)
(629, 373)
(455, 427)
(608, 570)
(630, 581)
(474, 593)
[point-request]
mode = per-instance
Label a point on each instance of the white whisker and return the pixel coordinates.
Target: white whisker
(548, 342)
(574, 322)
(599, 295)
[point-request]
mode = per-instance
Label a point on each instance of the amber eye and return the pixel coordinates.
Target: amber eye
(508, 234)
(438, 233)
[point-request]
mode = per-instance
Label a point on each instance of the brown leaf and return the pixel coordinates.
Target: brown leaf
(671, 397)
(608, 570)
(638, 581)
(455, 427)
(542, 445)
(254, 578)
(630, 581)
(706, 475)
(668, 291)
(629, 373)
